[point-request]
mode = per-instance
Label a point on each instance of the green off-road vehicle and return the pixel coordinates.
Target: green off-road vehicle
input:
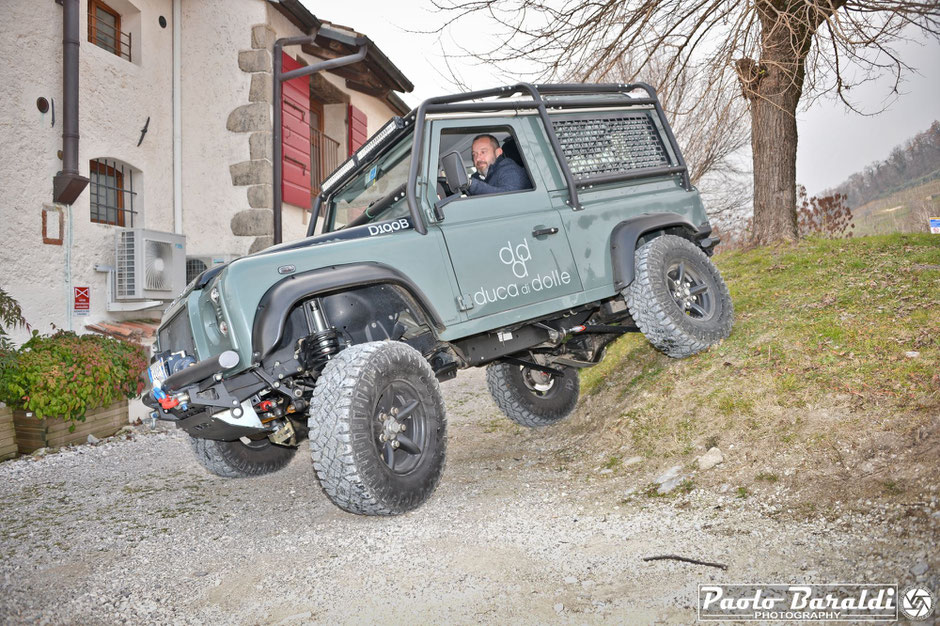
(341, 338)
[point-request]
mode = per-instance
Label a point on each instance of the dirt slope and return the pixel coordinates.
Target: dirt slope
(135, 531)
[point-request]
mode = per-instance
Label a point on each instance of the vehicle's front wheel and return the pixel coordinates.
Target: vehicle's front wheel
(530, 397)
(235, 459)
(678, 298)
(377, 429)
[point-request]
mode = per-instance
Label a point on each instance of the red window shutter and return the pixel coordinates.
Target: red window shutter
(358, 128)
(295, 137)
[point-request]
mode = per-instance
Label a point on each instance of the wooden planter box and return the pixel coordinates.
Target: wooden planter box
(7, 434)
(33, 433)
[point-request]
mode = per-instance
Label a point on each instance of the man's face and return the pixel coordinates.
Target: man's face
(484, 154)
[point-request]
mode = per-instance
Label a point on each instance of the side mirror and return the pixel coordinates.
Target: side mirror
(454, 171)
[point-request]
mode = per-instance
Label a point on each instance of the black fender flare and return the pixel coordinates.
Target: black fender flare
(278, 301)
(626, 234)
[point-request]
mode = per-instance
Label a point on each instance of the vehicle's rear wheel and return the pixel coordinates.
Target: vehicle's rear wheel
(678, 298)
(530, 397)
(235, 459)
(377, 429)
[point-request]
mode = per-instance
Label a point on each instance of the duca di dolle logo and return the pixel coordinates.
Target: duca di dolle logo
(517, 258)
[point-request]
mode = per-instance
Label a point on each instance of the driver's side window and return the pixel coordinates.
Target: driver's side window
(492, 158)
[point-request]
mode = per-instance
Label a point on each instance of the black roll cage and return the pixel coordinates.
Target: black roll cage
(462, 103)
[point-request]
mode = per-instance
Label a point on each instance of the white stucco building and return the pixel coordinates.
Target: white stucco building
(174, 135)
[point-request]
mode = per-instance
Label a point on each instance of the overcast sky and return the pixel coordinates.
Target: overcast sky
(833, 142)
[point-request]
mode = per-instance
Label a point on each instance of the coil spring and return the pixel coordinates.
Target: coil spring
(319, 347)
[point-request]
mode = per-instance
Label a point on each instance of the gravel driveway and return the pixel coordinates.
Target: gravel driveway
(134, 531)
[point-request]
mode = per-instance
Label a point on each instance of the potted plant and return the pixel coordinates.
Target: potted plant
(64, 387)
(11, 316)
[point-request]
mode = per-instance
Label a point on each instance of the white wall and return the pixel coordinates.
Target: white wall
(212, 87)
(115, 98)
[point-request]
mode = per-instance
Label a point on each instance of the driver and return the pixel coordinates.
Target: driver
(495, 173)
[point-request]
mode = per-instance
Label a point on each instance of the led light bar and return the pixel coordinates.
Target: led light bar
(393, 124)
(341, 171)
(362, 153)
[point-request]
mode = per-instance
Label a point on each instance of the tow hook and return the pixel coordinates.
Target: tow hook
(171, 402)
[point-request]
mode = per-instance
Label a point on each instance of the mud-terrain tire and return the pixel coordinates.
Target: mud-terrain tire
(678, 298)
(531, 398)
(364, 395)
(234, 459)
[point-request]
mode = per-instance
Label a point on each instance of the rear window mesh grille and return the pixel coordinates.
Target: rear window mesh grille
(610, 143)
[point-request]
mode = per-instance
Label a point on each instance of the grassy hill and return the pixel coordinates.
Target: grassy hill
(828, 385)
(903, 211)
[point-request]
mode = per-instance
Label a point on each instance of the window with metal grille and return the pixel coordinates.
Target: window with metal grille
(104, 29)
(111, 191)
(597, 144)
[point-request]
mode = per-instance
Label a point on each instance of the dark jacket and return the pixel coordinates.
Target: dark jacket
(504, 175)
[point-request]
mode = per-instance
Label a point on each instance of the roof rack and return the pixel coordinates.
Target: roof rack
(471, 101)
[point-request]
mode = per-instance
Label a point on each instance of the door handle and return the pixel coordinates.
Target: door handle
(539, 232)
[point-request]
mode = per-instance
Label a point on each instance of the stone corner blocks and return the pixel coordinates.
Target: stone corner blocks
(262, 85)
(261, 196)
(249, 118)
(253, 222)
(256, 172)
(261, 243)
(262, 37)
(254, 60)
(260, 146)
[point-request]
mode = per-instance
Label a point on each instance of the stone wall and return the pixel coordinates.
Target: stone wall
(255, 119)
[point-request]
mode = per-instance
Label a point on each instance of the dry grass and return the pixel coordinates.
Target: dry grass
(833, 365)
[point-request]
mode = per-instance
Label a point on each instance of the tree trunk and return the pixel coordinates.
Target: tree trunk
(773, 142)
(774, 87)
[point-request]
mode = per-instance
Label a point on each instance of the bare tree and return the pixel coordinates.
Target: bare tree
(711, 127)
(776, 50)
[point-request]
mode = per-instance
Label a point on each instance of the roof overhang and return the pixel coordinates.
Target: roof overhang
(375, 75)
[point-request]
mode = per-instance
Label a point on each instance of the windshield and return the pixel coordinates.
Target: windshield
(377, 193)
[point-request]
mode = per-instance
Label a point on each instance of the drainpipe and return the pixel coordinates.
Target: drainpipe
(69, 184)
(177, 121)
(281, 77)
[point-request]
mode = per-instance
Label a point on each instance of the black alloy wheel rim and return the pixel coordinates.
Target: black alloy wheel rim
(690, 291)
(400, 428)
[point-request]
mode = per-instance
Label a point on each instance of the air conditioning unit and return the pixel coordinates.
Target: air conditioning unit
(196, 265)
(148, 265)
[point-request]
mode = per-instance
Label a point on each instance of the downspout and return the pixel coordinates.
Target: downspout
(177, 121)
(69, 184)
(281, 77)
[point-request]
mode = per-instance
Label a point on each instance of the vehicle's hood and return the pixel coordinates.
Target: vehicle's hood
(357, 232)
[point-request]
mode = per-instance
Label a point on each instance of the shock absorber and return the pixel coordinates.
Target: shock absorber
(317, 348)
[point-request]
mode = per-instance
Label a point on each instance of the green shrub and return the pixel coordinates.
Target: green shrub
(64, 375)
(11, 316)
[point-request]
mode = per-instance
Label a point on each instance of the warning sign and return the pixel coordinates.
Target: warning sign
(82, 301)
